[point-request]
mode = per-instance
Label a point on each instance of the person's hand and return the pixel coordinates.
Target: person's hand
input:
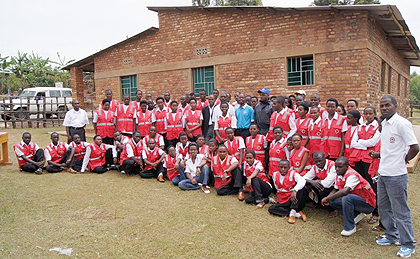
(223, 140)
(248, 181)
(176, 166)
(370, 153)
(154, 165)
(193, 181)
(39, 164)
(325, 202)
(183, 165)
(198, 171)
(293, 198)
(69, 138)
(224, 177)
(63, 165)
(68, 162)
(115, 160)
(317, 184)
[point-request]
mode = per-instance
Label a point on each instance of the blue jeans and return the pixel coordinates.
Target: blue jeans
(202, 178)
(347, 205)
(393, 209)
(180, 177)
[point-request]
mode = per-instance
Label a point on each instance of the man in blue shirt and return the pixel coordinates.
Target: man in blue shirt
(244, 116)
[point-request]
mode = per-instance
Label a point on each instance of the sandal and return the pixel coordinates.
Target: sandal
(378, 228)
(260, 205)
(373, 220)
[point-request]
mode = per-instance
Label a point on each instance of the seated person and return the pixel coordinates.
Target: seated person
(30, 157)
(227, 176)
(58, 155)
(172, 167)
(351, 193)
(159, 140)
(79, 153)
(256, 181)
(290, 187)
(119, 141)
(130, 159)
(202, 147)
(153, 157)
(320, 179)
(195, 171)
(96, 158)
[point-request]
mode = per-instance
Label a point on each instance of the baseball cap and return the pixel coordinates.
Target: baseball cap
(265, 91)
(301, 92)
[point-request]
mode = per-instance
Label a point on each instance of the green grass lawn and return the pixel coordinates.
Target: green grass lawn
(119, 216)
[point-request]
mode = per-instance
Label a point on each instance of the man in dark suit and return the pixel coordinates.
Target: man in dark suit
(207, 127)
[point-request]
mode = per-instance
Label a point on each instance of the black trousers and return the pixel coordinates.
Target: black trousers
(261, 191)
(165, 140)
(152, 173)
(108, 140)
(363, 169)
(283, 209)
(100, 169)
(210, 133)
(319, 195)
(235, 184)
(130, 167)
(56, 169)
(108, 161)
(79, 131)
(38, 157)
(77, 165)
(244, 133)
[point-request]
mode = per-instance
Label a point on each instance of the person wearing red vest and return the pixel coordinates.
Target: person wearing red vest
(256, 142)
(193, 120)
(153, 157)
(299, 156)
(172, 167)
(316, 102)
(302, 123)
(160, 113)
(315, 130)
(58, 155)
(113, 102)
(79, 153)
(174, 124)
(136, 103)
(119, 142)
(351, 193)
(215, 93)
(104, 123)
(152, 134)
(256, 181)
(235, 145)
(276, 151)
(224, 121)
(166, 100)
(183, 104)
(290, 187)
(130, 159)
(333, 132)
(353, 105)
(126, 117)
(202, 147)
(283, 118)
(202, 102)
(320, 179)
(350, 152)
(98, 156)
(196, 171)
(30, 157)
(144, 119)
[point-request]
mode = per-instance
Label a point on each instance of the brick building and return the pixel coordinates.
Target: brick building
(360, 52)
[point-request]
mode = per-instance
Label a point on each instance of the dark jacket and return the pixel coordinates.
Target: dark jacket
(206, 119)
(263, 112)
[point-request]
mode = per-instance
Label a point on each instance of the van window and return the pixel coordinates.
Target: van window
(55, 93)
(40, 96)
(66, 93)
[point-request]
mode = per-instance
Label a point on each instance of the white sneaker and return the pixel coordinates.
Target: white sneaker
(123, 172)
(359, 217)
(348, 233)
(205, 189)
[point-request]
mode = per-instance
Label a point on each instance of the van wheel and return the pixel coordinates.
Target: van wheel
(21, 114)
(61, 112)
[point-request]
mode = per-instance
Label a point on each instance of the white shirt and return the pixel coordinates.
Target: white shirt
(363, 144)
(19, 153)
(191, 167)
(144, 155)
(328, 181)
(292, 122)
(76, 119)
(87, 155)
(396, 136)
(160, 141)
(232, 121)
(47, 154)
(344, 124)
(217, 112)
(129, 148)
(352, 181)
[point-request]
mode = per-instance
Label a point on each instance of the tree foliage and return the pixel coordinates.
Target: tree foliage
(344, 2)
(227, 2)
(415, 87)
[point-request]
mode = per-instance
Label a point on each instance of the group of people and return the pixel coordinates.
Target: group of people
(346, 162)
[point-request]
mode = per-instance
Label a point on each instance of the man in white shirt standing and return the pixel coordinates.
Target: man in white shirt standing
(75, 121)
(397, 137)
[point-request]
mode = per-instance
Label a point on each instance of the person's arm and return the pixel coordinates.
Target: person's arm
(198, 126)
(292, 125)
(68, 134)
(95, 121)
(147, 162)
(355, 140)
(343, 146)
(114, 152)
(218, 135)
(330, 179)
(300, 184)
(412, 152)
(241, 156)
(369, 142)
(86, 159)
(72, 150)
(334, 195)
(251, 114)
(303, 162)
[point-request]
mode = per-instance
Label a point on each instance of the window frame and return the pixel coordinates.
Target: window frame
(301, 71)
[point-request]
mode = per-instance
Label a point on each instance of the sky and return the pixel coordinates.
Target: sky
(79, 28)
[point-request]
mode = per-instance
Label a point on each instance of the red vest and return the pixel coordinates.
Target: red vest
(105, 126)
(125, 121)
(152, 156)
(97, 156)
(174, 127)
(281, 120)
(218, 167)
(284, 190)
(193, 120)
(296, 157)
(182, 150)
(352, 154)
(223, 123)
(201, 105)
(374, 165)
(233, 147)
(28, 151)
(363, 189)
(170, 167)
(160, 120)
(321, 174)
(184, 109)
(315, 132)
(57, 154)
(248, 170)
(217, 102)
(366, 134)
(144, 122)
(302, 127)
(167, 104)
(204, 150)
(136, 105)
(257, 145)
(79, 150)
(147, 138)
(113, 105)
(331, 138)
(276, 153)
(136, 151)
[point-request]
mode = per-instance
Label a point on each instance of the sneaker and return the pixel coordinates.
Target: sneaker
(38, 171)
(384, 241)
(122, 171)
(406, 252)
(205, 190)
(359, 217)
(348, 233)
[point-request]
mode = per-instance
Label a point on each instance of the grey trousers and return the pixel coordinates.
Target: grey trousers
(393, 209)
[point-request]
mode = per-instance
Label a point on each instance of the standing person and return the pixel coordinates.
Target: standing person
(183, 104)
(292, 102)
(302, 123)
(316, 101)
(235, 104)
(196, 172)
(315, 130)
(208, 125)
(254, 103)
(352, 193)
(333, 132)
(160, 115)
(341, 110)
(217, 100)
(350, 152)
(299, 156)
(98, 155)
(144, 119)
(58, 155)
(283, 118)
(136, 103)
(263, 110)
(225, 121)
(167, 100)
(174, 124)
(126, 117)
(248, 101)
(104, 123)
(153, 157)
(130, 160)
(235, 145)
(218, 111)
(202, 102)
(193, 121)
(75, 121)
(244, 116)
(396, 136)
(30, 157)
(79, 153)
(113, 102)
(276, 151)
(256, 142)
(354, 105)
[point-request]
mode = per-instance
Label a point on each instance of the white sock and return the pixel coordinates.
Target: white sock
(160, 174)
(292, 213)
(297, 215)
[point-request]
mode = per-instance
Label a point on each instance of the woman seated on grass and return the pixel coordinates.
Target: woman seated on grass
(195, 170)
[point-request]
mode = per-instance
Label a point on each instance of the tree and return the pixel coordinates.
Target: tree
(344, 2)
(227, 2)
(415, 87)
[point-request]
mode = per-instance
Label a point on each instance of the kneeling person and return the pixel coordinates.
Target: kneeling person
(58, 155)
(153, 157)
(30, 157)
(196, 171)
(79, 153)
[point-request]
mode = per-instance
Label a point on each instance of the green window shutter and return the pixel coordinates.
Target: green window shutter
(203, 79)
(129, 86)
(300, 71)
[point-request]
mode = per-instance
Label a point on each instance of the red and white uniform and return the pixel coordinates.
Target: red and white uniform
(56, 153)
(257, 144)
(250, 169)
(137, 105)
(296, 157)
(144, 121)
(160, 116)
(79, 150)
(235, 146)
(193, 119)
(167, 104)
(22, 149)
(184, 109)
(122, 142)
(182, 151)
(125, 118)
(173, 125)
(97, 156)
(327, 174)
(315, 133)
(284, 119)
(105, 126)
(201, 104)
(218, 167)
(364, 140)
(151, 156)
(204, 150)
(374, 165)
(159, 140)
(131, 149)
(169, 163)
(285, 185)
(302, 127)
(113, 105)
(353, 155)
(224, 122)
(276, 153)
(331, 135)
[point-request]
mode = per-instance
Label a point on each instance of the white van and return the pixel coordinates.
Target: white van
(33, 100)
